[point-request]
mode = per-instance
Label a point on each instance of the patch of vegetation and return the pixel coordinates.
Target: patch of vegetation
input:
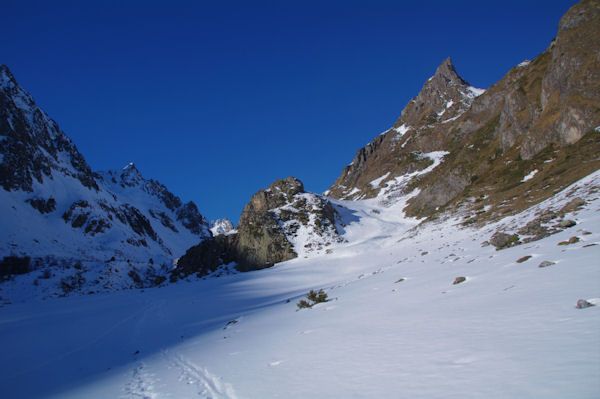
(313, 297)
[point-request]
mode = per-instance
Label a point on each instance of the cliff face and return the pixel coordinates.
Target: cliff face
(491, 139)
(277, 224)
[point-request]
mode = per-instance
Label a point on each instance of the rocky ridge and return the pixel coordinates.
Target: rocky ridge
(56, 212)
(277, 224)
(526, 137)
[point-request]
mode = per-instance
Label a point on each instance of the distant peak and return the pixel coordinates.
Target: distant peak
(6, 76)
(447, 71)
(130, 175)
(130, 165)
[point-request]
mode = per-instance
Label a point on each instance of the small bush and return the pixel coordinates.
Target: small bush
(314, 297)
(303, 304)
(317, 297)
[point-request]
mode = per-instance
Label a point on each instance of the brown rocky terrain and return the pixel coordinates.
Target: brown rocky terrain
(540, 119)
(268, 231)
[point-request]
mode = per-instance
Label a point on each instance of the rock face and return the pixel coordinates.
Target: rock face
(53, 206)
(443, 98)
(32, 143)
(261, 241)
(539, 119)
(277, 224)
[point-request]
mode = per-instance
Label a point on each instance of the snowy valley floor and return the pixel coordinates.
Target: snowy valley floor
(511, 330)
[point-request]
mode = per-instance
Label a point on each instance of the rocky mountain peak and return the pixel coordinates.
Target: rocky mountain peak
(447, 73)
(289, 186)
(130, 175)
(540, 119)
(445, 95)
(6, 77)
(33, 148)
(222, 226)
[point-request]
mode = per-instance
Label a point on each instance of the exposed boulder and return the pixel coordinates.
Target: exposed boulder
(574, 205)
(546, 263)
(503, 240)
(459, 280)
(567, 223)
(582, 304)
(571, 240)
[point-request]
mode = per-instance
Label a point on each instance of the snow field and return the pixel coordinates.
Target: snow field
(510, 330)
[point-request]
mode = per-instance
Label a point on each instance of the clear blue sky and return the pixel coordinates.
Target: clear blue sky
(218, 99)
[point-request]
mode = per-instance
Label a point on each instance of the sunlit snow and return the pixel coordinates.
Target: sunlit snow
(394, 325)
(529, 176)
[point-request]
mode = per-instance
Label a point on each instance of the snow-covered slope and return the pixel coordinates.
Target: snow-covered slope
(222, 226)
(55, 213)
(395, 325)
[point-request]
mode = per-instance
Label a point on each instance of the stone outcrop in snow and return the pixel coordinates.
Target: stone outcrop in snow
(277, 224)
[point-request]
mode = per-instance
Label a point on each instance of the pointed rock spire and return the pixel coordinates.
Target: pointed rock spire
(5, 75)
(130, 175)
(447, 72)
(442, 91)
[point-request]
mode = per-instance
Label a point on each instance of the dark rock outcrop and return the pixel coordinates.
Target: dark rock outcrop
(266, 231)
(503, 240)
(32, 143)
(42, 205)
(582, 304)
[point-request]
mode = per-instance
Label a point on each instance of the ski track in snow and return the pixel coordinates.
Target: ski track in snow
(394, 321)
(141, 384)
(209, 385)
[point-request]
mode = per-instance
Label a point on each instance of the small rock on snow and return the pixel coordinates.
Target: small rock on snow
(546, 263)
(582, 304)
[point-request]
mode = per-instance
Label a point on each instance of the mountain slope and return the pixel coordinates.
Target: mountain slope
(540, 117)
(395, 325)
(57, 213)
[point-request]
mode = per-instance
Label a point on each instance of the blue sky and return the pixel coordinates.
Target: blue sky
(218, 99)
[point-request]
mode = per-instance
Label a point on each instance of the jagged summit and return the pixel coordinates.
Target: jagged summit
(222, 226)
(130, 175)
(34, 149)
(445, 95)
(444, 98)
(447, 71)
(5, 75)
(539, 120)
